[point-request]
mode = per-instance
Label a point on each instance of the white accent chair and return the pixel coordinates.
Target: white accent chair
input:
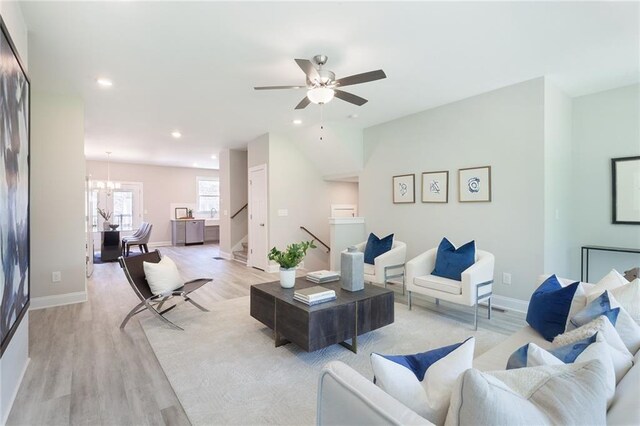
(476, 284)
(388, 266)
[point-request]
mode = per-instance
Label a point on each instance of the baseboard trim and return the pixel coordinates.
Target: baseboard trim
(225, 255)
(15, 391)
(158, 244)
(58, 300)
(508, 303)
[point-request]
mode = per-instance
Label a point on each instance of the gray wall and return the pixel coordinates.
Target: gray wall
(234, 192)
(161, 187)
(558, 197)
(57, 194)
(605, 125)
(503, 129)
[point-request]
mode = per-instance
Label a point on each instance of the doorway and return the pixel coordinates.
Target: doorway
(258, 217)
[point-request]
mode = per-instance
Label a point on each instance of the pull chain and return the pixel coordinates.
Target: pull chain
(321, 121)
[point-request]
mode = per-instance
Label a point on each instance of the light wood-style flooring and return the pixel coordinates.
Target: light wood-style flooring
(85, 370)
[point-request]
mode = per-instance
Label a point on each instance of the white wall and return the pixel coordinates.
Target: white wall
(605, 126)
(558, 196)
(233, 196)
(15, 359)
(57, 196)
(296, 185)
(503, 129)
(162, 186)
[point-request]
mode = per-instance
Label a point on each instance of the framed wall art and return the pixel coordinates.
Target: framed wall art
(404, 189)
(435, 187)
(14, 189)
(474, 184)
(625, 200)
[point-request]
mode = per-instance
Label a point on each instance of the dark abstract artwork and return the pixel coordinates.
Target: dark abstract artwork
(14, 189)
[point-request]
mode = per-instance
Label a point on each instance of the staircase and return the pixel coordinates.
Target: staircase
(241, 255)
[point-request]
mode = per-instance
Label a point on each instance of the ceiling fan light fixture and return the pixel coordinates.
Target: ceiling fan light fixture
(320, 95)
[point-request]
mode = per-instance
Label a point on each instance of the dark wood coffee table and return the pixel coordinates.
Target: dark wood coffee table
(325, 324)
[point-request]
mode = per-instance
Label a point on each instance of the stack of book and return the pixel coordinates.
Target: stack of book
(314, 295)
(321, 277)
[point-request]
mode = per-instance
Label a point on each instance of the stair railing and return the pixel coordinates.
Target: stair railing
(238, 212)
(316, 238)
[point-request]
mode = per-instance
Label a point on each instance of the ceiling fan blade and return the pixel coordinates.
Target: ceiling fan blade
(308, 68)
(277, 87)
(303, 103)
(361, 78)
(350, 97)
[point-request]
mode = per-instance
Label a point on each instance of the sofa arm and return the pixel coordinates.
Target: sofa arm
(419, 266)
(347, 398)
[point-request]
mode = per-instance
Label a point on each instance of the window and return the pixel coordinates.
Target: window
(124, 204)
(208, 196)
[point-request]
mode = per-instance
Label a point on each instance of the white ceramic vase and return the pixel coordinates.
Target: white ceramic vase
(287, 277)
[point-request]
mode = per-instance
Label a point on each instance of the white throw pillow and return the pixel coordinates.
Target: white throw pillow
(163, 276)
(607, 305)
(571, 394)
(599, 349)
(429, 395)
(620, 355)
(610, 281)
(628, 296)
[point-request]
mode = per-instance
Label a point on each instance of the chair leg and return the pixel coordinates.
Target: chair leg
(160, 317)
(475, 318)
(131, 314)
(489, 304)
(409, 299)
(128, 249)
(437, 301)
(188, 299)
(146, 249)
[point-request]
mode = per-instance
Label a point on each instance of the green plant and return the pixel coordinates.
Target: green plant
(292, 255)
(106, 215)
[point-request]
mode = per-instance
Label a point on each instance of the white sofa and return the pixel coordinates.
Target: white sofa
(347, 398)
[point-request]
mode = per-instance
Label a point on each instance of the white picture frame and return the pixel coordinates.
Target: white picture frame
(435, 187)
(474, 185)
(404, 189)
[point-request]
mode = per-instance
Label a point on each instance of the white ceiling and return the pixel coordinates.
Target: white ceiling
(192, 66)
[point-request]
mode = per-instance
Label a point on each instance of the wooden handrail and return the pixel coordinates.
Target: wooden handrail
(316, 238)
(238, 212)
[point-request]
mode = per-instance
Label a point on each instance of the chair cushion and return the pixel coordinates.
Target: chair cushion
(438, 283)
(423, 381)
(377, 246)
(549, 307)
(369, 269)
(452, 262)
(163, 276)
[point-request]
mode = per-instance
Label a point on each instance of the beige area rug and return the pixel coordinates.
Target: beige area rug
(225, 369)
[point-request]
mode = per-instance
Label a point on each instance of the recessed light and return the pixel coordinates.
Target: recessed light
(213, 157)
(195, 164)
(176, 134)
(297, 121)
(353, 116)
(104, 82)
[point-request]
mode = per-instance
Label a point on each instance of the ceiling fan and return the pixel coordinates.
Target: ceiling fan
(322, 85)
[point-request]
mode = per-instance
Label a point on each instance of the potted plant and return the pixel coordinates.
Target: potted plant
(106, 215)
(289, 259)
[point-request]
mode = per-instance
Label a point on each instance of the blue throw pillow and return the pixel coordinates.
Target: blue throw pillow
(452, 262)
(376, 246)
(599, 306)
(549, 307)
(567, 354)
